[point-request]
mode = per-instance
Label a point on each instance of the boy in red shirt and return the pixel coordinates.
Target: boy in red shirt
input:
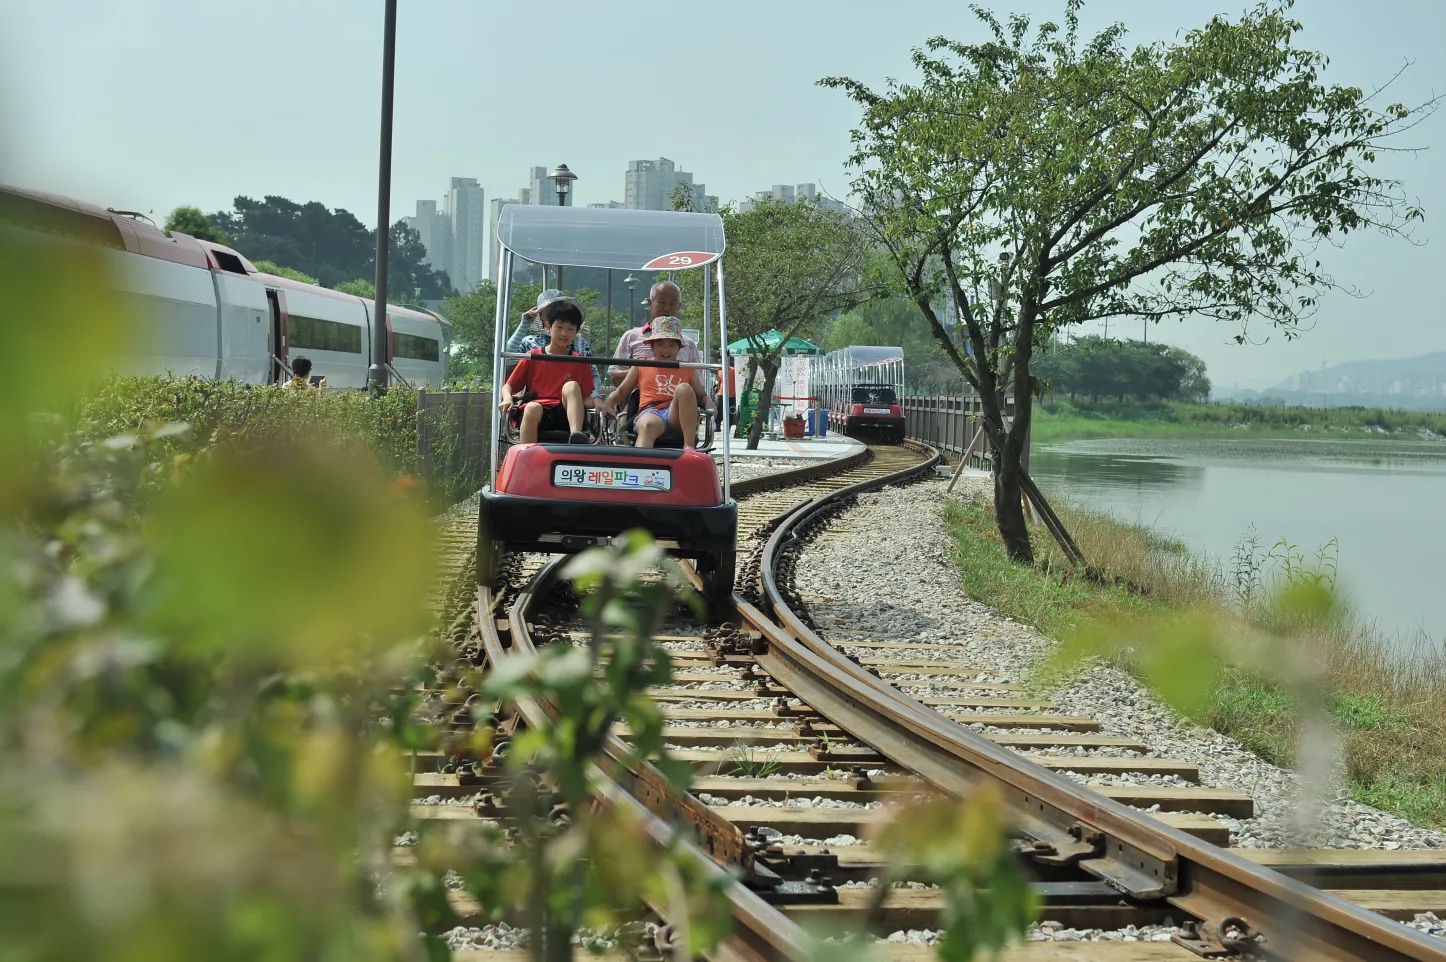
(667, 397)
(561, 391)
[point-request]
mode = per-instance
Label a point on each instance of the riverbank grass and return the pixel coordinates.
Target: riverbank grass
(1283, 651)
(1058, 420)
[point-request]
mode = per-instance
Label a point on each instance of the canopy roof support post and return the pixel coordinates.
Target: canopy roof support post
(708, 316)
(499, 337)
(723, 338)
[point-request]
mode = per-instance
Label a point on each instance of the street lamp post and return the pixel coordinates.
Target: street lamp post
(377, 373)
(630, 280)
(562, 179)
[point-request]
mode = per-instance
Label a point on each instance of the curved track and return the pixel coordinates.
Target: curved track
(852, 721)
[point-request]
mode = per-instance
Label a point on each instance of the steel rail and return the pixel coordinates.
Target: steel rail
(1243, 907)
(761, 932)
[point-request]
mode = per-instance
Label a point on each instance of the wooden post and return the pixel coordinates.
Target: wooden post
(964, 459)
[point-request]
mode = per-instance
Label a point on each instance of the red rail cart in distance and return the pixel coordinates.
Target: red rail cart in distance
(556, 497)
(861, 388)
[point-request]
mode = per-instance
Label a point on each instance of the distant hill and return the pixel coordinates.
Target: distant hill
(1414, 383)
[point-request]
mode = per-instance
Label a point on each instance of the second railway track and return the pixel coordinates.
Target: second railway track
(795, 745)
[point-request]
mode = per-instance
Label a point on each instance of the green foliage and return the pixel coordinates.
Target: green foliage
(1054, 599)
(681, 197)
(78, 327)
(897, 321)
(790, 266)
(962, 847)
(232, 413)
(596, 866)
(188, 690)
(409, 279)
(1060, 420)
(1194, 178)
(474, 319)
(331, 245)
(360, 287)
(1097, 366)
(290, 273)
(190, 220)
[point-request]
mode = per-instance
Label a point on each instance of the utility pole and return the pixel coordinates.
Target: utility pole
(377, 374)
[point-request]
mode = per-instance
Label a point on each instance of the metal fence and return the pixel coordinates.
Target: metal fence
(950, 423)
(453, 437)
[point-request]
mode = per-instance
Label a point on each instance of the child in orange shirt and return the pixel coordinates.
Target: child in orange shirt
(668, 397)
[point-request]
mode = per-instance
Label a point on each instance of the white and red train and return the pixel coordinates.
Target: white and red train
(202, 308)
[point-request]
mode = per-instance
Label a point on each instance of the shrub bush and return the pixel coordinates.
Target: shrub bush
(241, 413)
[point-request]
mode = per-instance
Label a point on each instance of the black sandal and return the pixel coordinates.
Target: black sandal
(579, 437)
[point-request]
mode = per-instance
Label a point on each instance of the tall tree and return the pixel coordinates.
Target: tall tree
(190, 220)
(409, 278)
(1097, 366)
(788, 267)
(1167, 180)
(331, 245)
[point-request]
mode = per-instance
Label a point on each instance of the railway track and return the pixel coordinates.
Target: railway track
(795, 745)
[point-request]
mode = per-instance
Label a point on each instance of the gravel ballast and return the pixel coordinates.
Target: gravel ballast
(887, 575)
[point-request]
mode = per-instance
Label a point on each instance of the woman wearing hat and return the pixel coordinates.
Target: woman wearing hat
(668, 396)
(533, 319)
(547, 302)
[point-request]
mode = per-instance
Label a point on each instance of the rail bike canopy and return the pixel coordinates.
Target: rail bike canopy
(625, 240)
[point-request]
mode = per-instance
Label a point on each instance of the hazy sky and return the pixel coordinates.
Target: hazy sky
(157, 103)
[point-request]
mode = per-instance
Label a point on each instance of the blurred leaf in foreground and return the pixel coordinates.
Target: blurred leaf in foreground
(963, 847)
(295, 553)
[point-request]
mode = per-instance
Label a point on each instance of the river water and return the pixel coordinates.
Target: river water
(1384, 501)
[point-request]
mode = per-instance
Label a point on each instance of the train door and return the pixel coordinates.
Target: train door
(245, 327)
(280, 336)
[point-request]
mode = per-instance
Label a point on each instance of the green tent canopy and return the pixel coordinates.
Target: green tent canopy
(770, 339)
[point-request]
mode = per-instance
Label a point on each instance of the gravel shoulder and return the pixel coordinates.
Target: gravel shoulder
(860, 586)
(746, 469)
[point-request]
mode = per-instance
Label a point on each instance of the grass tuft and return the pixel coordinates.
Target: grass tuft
(1058, 419)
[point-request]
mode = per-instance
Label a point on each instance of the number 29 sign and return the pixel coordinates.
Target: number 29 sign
(679, 260)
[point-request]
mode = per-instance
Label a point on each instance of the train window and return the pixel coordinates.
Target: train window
(319, 335)
(229, 262)
(416, 347)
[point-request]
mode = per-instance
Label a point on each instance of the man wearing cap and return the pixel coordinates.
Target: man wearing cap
(664, 300)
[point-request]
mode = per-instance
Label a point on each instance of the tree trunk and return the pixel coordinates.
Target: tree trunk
(1009, 508)
(1009, 454)
(770, 375)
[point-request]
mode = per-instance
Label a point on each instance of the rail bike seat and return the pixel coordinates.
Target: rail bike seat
(512, 426)
(626, 433)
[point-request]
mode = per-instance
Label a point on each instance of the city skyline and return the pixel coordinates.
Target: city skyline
(453, 247)
(153, 144)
